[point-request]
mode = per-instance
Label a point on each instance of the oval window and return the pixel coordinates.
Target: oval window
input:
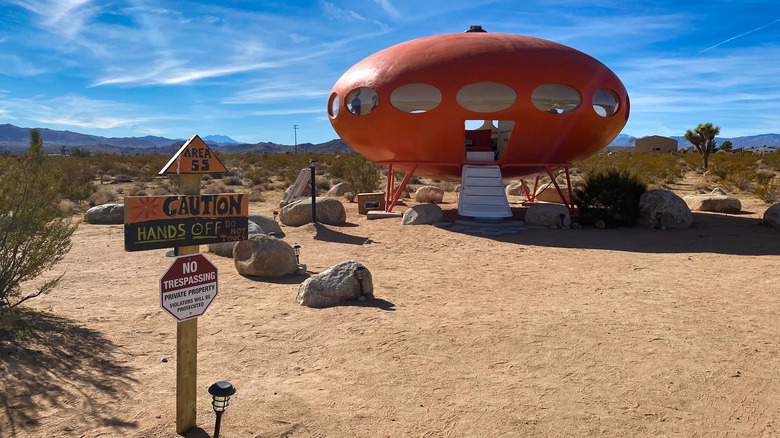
(362, 101)
(415, 98)
(333, 106)
(605, 102)
(556, 98)
(486, 97)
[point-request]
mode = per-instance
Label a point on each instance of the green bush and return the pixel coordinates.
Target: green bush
(361, 174)
(612, 196)
(651, 167)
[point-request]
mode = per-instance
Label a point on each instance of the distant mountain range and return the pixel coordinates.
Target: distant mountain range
(747, 142)
(16, 140)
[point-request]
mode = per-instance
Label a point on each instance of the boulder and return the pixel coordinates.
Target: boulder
(423, 214)
(430, 194)
(105, 214)
(675, 213)
(268, 224)
(550, 194)
(772, 216)
(339, 190)
(334, 285)
(716, 203)
(225, 249)
(547, 215)
(264, 256)
(329, 211)
(517, 188)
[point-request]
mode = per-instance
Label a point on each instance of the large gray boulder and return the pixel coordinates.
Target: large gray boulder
(267, 224)
(339, 189)
(225, 249)
(334, 285)
(430, 194)
(548, 215)
(716, 203)
(675, 213)
(329, 211)
(517, 188)
(264, 256)
(772, 216)
(423, 214)
(105, 214)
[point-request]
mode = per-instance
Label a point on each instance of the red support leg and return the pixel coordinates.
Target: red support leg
(404, 182)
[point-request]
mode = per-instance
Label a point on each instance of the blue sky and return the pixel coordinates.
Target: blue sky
(253, 69)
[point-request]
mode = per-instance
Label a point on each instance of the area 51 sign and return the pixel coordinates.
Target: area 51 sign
(188, 287)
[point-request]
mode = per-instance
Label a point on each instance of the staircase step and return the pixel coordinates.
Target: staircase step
(484, 190)
(482, 193)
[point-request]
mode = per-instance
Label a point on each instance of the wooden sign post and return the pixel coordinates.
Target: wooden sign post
(187, 340)
(185, 221)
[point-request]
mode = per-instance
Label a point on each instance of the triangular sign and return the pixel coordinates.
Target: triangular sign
(194, 156)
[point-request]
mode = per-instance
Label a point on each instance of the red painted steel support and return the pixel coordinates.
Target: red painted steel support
(567, 203)
(397, 195)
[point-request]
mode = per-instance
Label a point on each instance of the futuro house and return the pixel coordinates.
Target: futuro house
(477, 106)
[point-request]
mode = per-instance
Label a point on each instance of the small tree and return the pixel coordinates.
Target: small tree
(33, 234)
(726, 146)
(611, 195)
(703, 139)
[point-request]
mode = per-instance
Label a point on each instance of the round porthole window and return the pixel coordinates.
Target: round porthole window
(333, 105)
(362, 101)
(486, 97)
(605, 102)
(415, 98)
(556, 98)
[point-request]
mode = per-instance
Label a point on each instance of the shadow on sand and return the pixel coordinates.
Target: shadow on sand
(371, 302)
(328, 234)
(730, 234)
(51, 362)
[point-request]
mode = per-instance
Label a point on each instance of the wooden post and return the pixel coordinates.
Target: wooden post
(187, 340)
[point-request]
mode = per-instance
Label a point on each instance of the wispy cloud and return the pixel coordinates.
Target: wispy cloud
(277, 92)
(739, 36)
(388, 7)
(338, 13)
(282, 112)
(63, 17)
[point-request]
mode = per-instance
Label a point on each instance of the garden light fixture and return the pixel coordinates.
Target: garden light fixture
(658, 216)
(220, 393)
(360, 272)
(276, 213)
(297, 250)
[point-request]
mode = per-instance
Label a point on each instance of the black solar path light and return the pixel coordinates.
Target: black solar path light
(360, 273)
(276, 213)
(220, 393)
(297, 250)
(658, 216)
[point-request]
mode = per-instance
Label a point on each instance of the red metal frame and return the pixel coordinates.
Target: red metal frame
(392, 196)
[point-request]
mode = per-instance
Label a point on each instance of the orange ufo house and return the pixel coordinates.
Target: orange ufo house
(477, 107)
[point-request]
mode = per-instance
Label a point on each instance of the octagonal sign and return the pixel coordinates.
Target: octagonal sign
(188, 287)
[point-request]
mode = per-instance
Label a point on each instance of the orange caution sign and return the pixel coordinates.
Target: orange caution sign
(194, 157)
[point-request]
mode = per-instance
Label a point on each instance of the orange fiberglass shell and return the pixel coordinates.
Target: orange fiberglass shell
(545, 104)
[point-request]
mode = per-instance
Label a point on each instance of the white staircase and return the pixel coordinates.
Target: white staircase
(482, 193)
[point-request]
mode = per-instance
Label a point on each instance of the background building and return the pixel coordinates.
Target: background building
(656, 143)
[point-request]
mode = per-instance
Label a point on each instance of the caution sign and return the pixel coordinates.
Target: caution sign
(154, 222)
(194, 157)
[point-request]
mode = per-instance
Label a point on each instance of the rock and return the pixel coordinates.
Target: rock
(718, 191)
(600, 224)
(716, 203)
(548, 215)
(105, 214)
(306, 193)
(430, 194)
(264, 256)
(329, 211)
(339, 189)
(268, 224)
(225, 249)
(675, 213)
(550, 194)
(423, 214)
(517, 188)
(772, 216)
(334, 285)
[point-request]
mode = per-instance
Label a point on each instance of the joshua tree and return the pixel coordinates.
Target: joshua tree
(726, 146)
(703, 138)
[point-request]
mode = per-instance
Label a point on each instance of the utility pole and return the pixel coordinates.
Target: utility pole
(295, 129)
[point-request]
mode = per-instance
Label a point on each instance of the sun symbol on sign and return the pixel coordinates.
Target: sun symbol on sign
(146, 209)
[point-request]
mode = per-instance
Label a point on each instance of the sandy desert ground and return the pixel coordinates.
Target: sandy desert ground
(628, 332)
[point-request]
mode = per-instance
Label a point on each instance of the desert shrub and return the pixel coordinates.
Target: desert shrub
(103, 195)
(322, 182)
(257, 175)
(361, 174)
(214, 187)
(256, 196)
(34, 235)
(653, 168)
(78, 175)
(232, 180)
(768, 191)
(349, 196)
(612, 196)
